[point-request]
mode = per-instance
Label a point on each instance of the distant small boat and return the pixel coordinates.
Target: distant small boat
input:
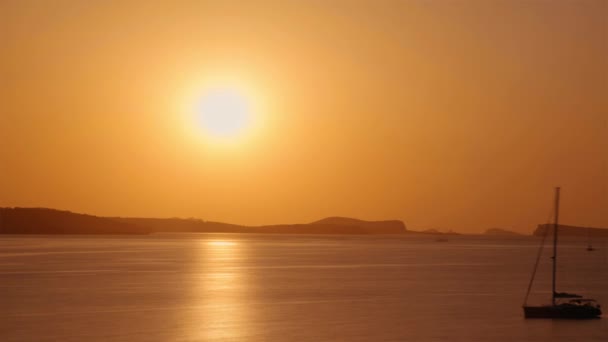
(589, 246)
(441, 240)
(563, 305)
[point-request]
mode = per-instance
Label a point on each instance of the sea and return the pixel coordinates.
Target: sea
(248, 287)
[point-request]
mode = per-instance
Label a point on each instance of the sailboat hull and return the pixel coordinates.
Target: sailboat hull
(563, 311)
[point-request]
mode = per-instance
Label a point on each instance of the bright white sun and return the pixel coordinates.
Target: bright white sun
(224, 113)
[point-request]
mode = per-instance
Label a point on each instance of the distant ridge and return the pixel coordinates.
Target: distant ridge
(387, 226)
(434, 231)
(572, 231)
(51, 221)
(501, 232)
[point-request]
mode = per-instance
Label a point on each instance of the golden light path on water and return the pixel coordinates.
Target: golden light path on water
(220, 292)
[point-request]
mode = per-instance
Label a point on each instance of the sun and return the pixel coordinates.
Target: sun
(224, 113)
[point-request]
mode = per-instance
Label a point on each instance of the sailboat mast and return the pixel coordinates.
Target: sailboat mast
(555, 225)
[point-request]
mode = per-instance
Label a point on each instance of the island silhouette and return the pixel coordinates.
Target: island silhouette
(51, 221)
(566, 230)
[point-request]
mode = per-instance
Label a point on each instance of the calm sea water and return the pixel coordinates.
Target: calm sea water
(229, 287)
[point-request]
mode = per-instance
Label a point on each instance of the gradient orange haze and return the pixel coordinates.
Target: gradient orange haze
(446, 114)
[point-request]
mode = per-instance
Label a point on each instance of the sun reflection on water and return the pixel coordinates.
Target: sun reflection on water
(221, 243)
(220, 292)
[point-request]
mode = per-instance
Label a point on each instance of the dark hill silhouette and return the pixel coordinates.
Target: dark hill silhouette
(430, 231)
(181, 225)
(500, 232)
(50, 221)
(347, 226)
(386, 227)
(572, 231)
(433, 231)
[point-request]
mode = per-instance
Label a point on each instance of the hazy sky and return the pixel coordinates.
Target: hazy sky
(446, 114)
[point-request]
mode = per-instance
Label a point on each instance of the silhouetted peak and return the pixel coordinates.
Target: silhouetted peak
(500, 231)
(352, 222)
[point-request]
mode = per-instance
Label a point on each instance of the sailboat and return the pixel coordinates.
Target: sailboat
(563, 305)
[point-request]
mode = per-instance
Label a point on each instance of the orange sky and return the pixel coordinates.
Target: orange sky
(446, 114)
